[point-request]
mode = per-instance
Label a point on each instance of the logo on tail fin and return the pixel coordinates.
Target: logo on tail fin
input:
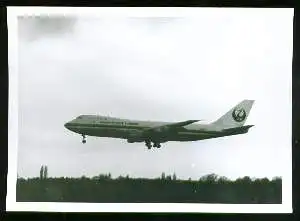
(239, 114)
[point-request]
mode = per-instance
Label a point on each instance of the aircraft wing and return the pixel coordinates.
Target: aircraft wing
(181, 124)
(158, 131)
(170, 126)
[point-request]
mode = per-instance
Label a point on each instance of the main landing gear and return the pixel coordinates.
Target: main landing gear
(157, 145)
(149, 145)
(83, 139)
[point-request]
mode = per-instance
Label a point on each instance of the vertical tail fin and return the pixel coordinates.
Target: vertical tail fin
(236, 117)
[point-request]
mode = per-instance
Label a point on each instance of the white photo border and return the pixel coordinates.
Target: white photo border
(12, 205)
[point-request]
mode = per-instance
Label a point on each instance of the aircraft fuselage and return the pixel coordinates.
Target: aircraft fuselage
(100, 126)
(231, 123)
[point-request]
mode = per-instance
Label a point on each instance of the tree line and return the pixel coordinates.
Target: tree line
(164, 189)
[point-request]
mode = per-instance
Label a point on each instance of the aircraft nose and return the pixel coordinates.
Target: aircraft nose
(67, 125)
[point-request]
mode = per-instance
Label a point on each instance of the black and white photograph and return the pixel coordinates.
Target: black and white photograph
(150, 109)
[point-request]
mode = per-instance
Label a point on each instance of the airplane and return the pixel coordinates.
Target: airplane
(231, 123)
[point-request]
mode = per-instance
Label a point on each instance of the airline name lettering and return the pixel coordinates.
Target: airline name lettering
(118, 123)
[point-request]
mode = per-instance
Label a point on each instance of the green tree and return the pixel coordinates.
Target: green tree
(103, 190)
(169, 177)
(41, 172)
(223, 180)
(45, 175)
(210, 178)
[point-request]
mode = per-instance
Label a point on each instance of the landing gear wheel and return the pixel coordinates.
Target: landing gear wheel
(83, 139)
(157, 145)
(148, 144)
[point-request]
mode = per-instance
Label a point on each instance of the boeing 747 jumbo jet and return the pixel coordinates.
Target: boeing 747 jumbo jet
(232, 123)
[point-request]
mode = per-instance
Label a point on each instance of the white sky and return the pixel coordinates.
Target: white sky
(168, 69)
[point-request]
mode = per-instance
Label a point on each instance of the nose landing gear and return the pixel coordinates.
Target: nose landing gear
(83, 139)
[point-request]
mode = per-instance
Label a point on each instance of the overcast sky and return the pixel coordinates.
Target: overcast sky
(162, 69)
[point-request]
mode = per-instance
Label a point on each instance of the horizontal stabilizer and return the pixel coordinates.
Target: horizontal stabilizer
(237, 129)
